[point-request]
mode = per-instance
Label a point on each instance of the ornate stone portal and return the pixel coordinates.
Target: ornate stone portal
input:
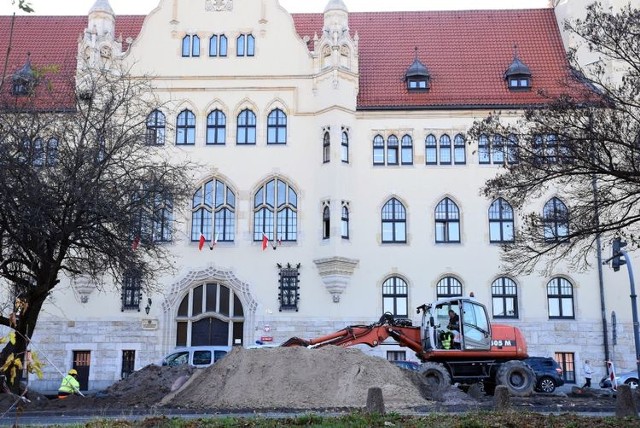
(336, 273)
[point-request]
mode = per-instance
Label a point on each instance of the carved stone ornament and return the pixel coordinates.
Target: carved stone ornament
(336, 273)
(84, 286)
(218, 5)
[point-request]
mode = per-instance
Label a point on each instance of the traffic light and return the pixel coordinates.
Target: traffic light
(617, 258)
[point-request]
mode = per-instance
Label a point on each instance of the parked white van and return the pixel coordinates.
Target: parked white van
(197, 356)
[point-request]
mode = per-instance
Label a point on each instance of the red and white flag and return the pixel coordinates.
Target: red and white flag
(136, 243)
(214, 242)
(265, 241)
(612, 375)
(201, 242)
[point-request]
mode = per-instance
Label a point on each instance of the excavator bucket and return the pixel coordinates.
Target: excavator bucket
(296, 341)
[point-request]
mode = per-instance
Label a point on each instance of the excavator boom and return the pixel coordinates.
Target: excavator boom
(372, 335)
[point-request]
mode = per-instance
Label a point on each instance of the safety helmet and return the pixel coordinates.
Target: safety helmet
(73, 372)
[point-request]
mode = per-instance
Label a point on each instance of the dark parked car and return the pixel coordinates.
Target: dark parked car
(407, 365)
(626, 378)
(548, 373)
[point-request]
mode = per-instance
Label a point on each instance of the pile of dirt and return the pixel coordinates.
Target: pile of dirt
(299, 378)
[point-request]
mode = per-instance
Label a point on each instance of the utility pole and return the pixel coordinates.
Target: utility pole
(618, 258)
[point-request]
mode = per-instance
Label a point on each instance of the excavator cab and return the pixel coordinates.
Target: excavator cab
(456, 324)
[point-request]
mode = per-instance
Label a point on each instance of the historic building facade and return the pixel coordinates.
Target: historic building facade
(335, 179)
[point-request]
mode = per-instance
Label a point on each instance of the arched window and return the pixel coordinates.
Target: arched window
(162, 218)
(344, 147)
(186, 128)
(560, 298)
(511, 149)
(344, 221)
(213, 212)
(497, 152)
(246, 127)
(504, 297)
(216, 127)
(500, 221)
(431, 150)
(275, 212)
(394, 222)
(326, 223)
(459, 152)
(483, 149)
(277, 127)
(326, 147)
(210, 314)
(555, 218)
(448, 287)
(245, 45)
(395, 298)
(52, 151)
(392, 150)
(445, 150)
(190, 46)
(407, 150)
(156, 125)
(447, 218)
(378, 150)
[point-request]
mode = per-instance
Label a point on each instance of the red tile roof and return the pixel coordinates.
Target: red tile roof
(466, 53)
(52, 42)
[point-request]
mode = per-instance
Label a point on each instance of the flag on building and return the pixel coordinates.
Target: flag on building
(136, 243)
(214, 242)
(265, 241)
(201, 243)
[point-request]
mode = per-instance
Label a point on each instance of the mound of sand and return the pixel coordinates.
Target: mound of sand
(298, 378)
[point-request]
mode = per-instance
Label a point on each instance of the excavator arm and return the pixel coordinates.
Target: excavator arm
(372, 335)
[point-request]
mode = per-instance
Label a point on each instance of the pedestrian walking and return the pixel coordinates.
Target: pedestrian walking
(587, 371)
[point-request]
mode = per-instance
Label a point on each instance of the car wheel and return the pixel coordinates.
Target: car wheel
(546, 384)
(633, 383)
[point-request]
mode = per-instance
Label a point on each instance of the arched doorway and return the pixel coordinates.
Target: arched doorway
(210, 314)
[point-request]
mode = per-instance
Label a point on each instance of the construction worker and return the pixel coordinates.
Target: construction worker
(69, 385)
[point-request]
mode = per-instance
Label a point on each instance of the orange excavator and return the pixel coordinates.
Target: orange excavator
(456, 343)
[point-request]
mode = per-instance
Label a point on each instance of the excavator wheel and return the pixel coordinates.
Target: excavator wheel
(436, 376)
(518, 377)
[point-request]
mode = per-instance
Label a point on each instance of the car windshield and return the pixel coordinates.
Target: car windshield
(177, 358)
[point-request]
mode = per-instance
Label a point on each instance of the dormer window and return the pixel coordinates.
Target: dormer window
(417, 76)
(24, 80)
(518, 75)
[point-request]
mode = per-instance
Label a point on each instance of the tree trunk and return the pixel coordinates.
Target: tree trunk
(25, 325)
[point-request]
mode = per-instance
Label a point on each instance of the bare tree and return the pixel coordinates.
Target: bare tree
(83, 192)
(582, 148)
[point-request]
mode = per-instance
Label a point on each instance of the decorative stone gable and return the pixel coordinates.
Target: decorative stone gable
(336, 49)
(98, 45)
